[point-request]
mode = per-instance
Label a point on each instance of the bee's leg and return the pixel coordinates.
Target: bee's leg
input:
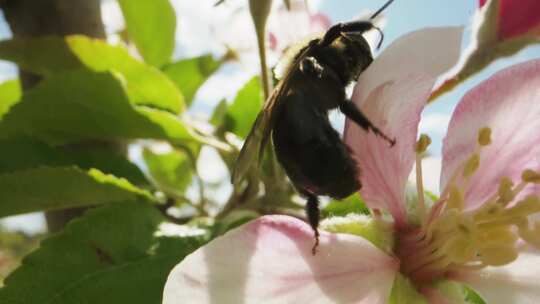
(336, 30)
(312, 210)
(351, 111)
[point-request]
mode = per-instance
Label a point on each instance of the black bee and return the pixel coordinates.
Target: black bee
(296, 115)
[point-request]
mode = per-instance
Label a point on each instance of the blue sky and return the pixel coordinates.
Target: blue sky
(402, 17)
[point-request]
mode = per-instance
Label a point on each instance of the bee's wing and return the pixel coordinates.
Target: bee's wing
(258, 137)
(256, 140)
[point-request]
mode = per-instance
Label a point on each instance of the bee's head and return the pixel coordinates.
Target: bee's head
(357, 53)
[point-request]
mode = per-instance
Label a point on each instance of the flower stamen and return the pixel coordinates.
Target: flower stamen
(471, 165)
(484, 136)
(455, 237)
(421, 146)
(530, 176)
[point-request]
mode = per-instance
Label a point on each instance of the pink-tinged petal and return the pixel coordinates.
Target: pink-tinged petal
(320, 21)
(428, 52)
(509, 104)
(517, 17)
(518, 282)
(269, 261)
(384, 169)
(392, 93)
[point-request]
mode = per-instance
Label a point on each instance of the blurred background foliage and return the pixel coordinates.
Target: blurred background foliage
(97, 132)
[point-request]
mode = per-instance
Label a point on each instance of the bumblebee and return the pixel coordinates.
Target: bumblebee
(311, 152)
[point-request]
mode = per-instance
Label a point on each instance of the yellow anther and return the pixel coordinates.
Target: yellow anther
(497, 235)
(530, 176)
(466, 225)
(446, 222)
(455, 199)
(527, 206)
(461, 245)
(498, 255)
(461, 249)
(471, 165)
(484, 136)
(530, 234)
(423, 142)
(506, 194)
(488, 211)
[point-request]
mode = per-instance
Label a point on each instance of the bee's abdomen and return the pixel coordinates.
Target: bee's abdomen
(311, 151)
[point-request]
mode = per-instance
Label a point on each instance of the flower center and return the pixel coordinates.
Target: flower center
(451, 238)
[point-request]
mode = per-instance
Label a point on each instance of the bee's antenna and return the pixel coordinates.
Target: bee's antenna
(381, 9)
(382, 37)
(375, 16)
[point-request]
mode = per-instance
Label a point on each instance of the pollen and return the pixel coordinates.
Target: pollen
(506, 194)
(471, 165)
(530, 233)
(455, 199)
(497, 255)
(484, 136)
(530, 176)
(423, 143)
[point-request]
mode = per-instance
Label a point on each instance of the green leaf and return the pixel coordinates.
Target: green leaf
(218, 116)
(352, 204)
(245, 108)
(23, 154)
(454, 292)
(46, 56)
(10, 93)
(48, 188)
(404, 292)
(190, 74)
(151, 24)
(119, 253)
(471, 296)
(42, 56)
(171, 171)
(84, 105)
(234, 219)
(379, 232)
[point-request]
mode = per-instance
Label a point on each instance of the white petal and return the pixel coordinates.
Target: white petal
(428, 52)
(269, 261)
(518, 282)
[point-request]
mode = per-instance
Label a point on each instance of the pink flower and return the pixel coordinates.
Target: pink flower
(239, 34)
(517, 17)
(478, 232)
(501, 29)
(487, 193)
(305, 23)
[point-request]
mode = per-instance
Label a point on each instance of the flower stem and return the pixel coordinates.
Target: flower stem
(420, 189)
(261, 43)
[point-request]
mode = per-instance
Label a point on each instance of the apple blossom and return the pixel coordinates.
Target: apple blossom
(481, 230)
(490, 169)
(279, 36)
